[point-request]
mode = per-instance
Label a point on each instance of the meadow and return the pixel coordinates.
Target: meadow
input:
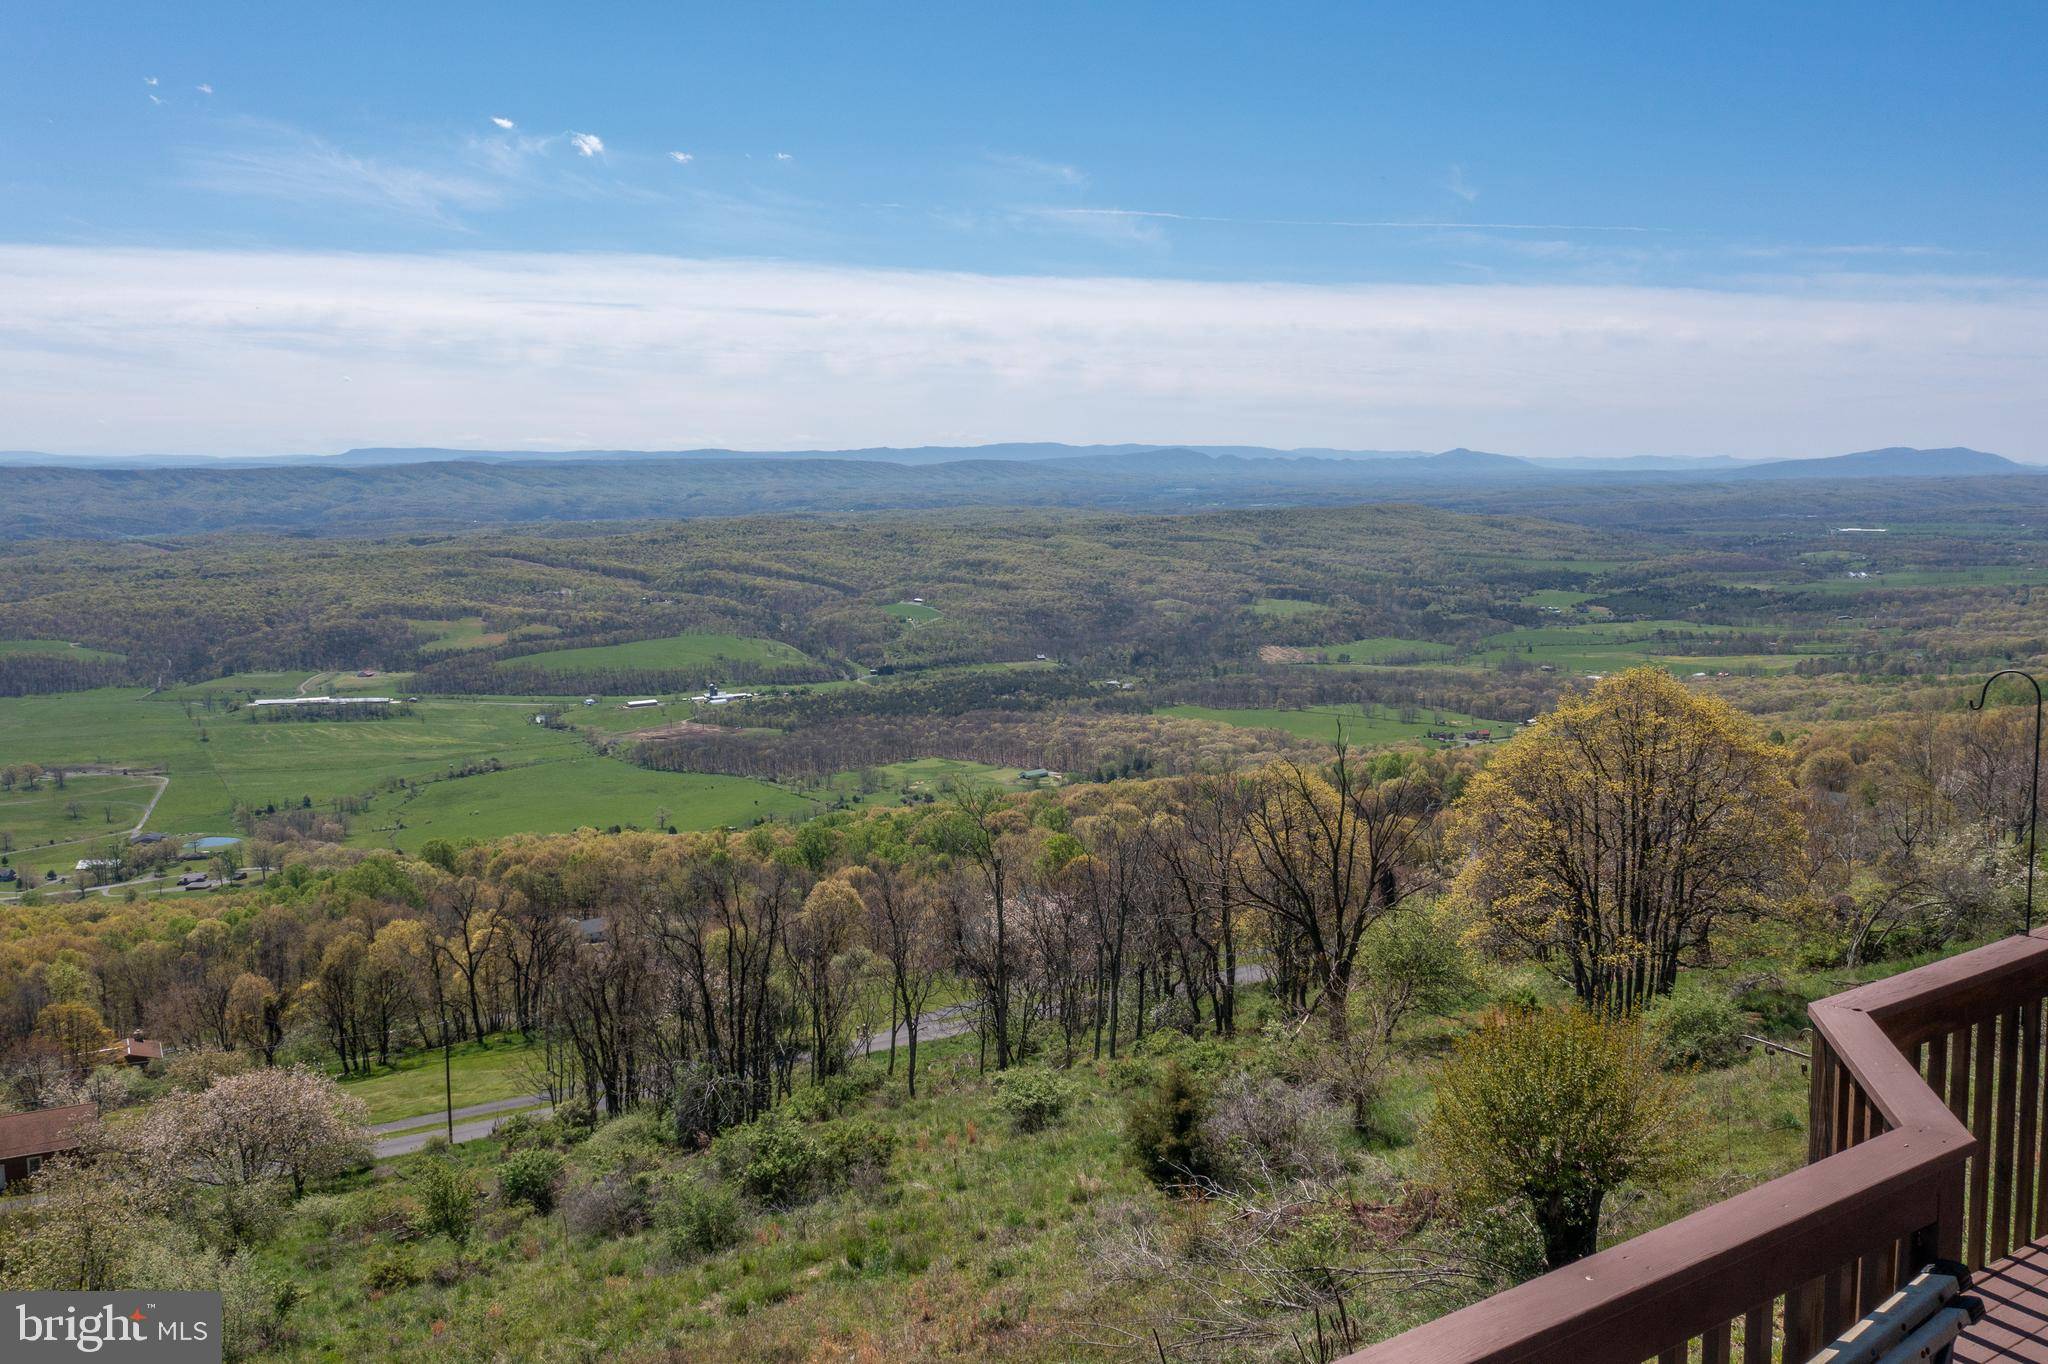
(694, 649)
(1360, 725)
(52, 646)
(502, 1066)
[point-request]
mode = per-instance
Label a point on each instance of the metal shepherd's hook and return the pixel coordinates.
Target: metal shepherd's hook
(2034, 789)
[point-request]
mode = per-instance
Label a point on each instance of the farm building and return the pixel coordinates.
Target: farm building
(637, 705)
(29, 1139)
(323, 701)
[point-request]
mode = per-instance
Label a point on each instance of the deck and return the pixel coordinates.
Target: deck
(1927, 1142)
(2015, 1325)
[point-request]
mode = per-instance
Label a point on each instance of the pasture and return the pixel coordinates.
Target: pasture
(1361, 726)
(912, 613)
(695, 649)
(559, 793)
(53, 646)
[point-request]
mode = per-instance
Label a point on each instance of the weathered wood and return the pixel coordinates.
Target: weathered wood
(1981, 1101)
(1714, 1345)
(2004, 1138)
(2026, 1215)
(1758, 1329)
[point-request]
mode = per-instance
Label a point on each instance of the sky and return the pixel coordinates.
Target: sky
(1550, 230)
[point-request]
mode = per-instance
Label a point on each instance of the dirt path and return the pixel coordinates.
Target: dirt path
(306, 687)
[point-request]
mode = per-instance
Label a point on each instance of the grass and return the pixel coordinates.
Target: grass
(1559, 597)
(1382, 649)
(53, 646)
(1285, 608)
(1362, 726)
(484, 1072)
(979, 1241)
(564, 793)
(912, 613)
(106, 805)
(453, 636)
(217, 758)
(690, 650)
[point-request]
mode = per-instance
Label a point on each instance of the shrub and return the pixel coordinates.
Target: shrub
(1258, 1133)
(610, 1206)
(1698, 1028)
(389, 1268)
(1034, 1098)
(631, 1142)
(530, 1177)
(783, 1162)
(1555, 1108)
(701, 1216)
(1163, 1128)
(448, 1203)
(853, 1147)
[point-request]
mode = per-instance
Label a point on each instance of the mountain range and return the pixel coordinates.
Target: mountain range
(373, 491)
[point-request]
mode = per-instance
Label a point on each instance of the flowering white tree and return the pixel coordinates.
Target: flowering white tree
(259, 1125)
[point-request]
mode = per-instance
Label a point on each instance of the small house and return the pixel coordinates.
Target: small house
(132, 1050)
(29, 1139)
(1034, 774)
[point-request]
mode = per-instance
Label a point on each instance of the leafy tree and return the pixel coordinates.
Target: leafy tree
(1556, 1107)
(74, 1031)
(530, 1177)
(1614, 832)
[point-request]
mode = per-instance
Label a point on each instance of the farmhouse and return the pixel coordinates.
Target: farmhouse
(28, 1139)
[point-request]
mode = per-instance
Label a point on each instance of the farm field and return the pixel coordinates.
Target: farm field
(1384, 649)
(558, 794)
(690, 650)
(912, 613)
(1362, 726)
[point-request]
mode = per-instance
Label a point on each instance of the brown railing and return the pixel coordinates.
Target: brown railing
(1924, 1129)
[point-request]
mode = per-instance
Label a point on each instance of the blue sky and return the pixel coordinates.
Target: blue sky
(1693, 198)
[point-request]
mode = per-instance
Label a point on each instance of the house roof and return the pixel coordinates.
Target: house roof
(42, 1132)
(130, 1047)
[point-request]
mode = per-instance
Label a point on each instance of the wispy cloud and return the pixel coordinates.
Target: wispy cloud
(587, 144)
(149, 80)
(1032, 167)
(507, 124)
(681, 158)
(1456, 183)
(245, 351)
(203, 88)
(1380, 225)
(784, 156)
(283, 163)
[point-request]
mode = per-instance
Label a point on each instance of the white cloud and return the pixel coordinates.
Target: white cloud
(681, 158)
(507, 124)
(784, 156)
(156, 99)
(587, 144)
(1456, 183)
(203, 88)
(149, 80)
(240, 352)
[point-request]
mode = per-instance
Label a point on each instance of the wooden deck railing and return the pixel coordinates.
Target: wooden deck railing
(1924, 1135)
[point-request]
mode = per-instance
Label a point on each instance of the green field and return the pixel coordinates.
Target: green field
(1285, 608)
(482, 1072)
(105, 804)
(912, 613)
(1558, 597)
(52, 646)
(691, 650)
(1361, 726)
(562, 794)
(1383, 649)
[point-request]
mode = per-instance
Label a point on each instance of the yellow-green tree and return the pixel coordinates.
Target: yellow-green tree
(1556, 1107)
(74, 1032)
(1614, 832)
